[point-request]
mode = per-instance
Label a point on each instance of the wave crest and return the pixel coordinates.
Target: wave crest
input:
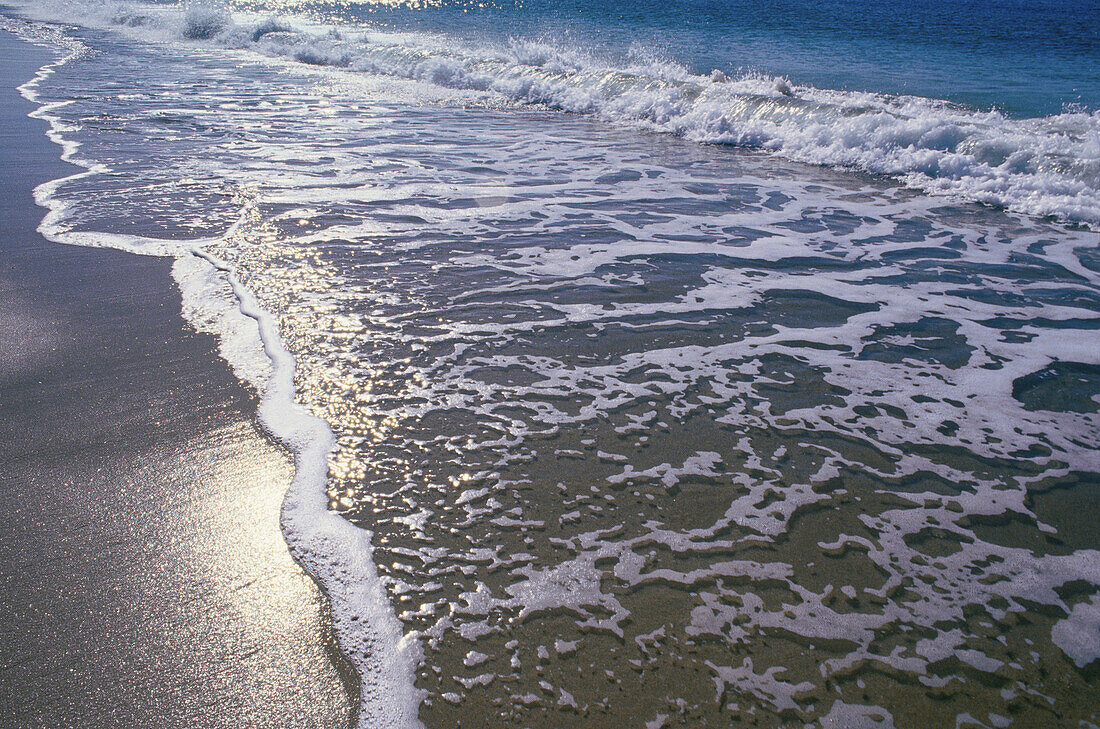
(1047, 166)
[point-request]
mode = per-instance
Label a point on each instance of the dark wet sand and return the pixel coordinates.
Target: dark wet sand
(143, 578)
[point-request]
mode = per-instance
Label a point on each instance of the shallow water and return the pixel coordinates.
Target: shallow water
(644, 432)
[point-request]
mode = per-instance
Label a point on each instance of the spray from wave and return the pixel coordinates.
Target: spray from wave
(1047, 166)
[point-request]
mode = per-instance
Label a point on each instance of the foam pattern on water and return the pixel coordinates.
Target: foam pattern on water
(92, 208)
(646, 433)
(1047, 166)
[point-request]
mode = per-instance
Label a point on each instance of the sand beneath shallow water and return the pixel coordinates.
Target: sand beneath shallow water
(143, 577)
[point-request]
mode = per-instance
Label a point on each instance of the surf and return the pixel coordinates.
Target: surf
(1048, 167)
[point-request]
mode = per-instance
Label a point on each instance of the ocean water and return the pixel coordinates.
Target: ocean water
(701, 365)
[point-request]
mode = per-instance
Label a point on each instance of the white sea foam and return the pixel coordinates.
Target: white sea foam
(486, 304)
(211, 307)
(1079, 634)
(1044, 166)
(336, 553)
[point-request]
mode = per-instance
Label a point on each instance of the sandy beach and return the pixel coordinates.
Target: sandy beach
(694, 365)
(143, 577)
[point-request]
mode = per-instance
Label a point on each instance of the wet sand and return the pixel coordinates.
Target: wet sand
(143, 577)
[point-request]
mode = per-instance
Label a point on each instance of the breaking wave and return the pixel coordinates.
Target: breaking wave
(1046, 166)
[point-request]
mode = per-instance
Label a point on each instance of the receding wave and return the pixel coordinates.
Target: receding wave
(620, 426)
(1048, 166)
(335, 552)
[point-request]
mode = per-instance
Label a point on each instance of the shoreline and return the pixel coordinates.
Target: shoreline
(145, 576)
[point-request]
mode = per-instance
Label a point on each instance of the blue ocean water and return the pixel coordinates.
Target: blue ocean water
(692, 364)
(1024, 57)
